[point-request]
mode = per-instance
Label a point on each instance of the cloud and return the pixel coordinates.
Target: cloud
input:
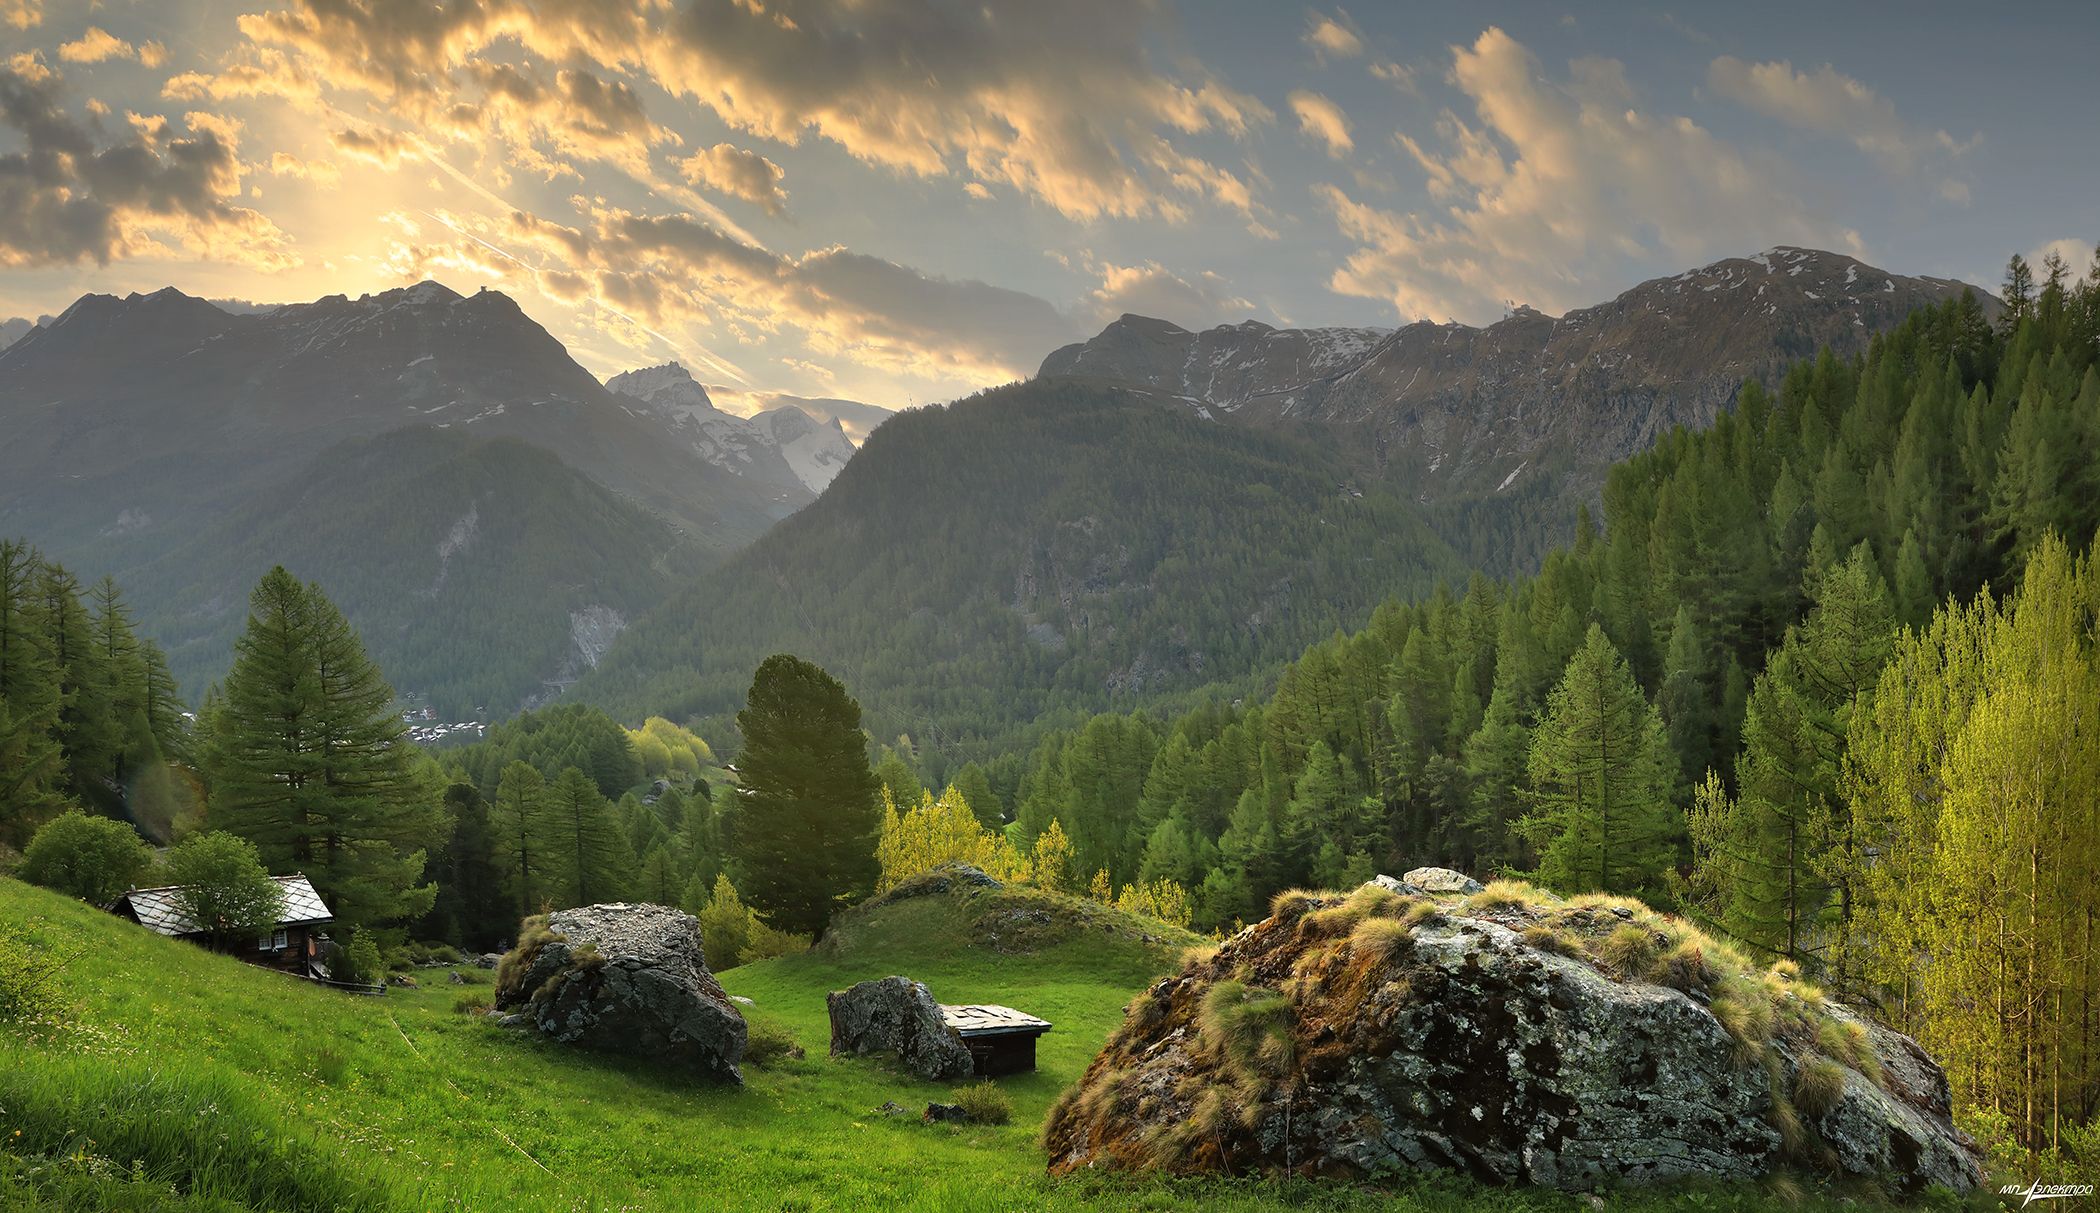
(1151, 289)
(22, 14)
(320, 172)
(1324, 120)
(677, 269)
(94, 46)
(72, 194)
(376, 145)
(1828, 102)
(740, 174)
(1333, 36)
(1398, 75)
(1050, 100)
(1551, 186)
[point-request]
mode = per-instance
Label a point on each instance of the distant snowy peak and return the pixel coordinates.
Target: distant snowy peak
(784, 445)
(1223, 366)
(669, 387)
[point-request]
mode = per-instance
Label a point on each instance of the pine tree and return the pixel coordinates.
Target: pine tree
(310, 762)
(1602, 775)
(805, 840)
(2018, 293)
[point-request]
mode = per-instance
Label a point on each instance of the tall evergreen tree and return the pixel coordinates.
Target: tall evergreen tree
(523, 830)
(1602, 775)
(593, 855)
(310, 761)
(805, 837)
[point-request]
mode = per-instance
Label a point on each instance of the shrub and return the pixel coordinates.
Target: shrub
(92, 858)
(470, 1004)
(361, 962)
(769, 1042)
(228, 890)
(765, 943)
(983, 1103)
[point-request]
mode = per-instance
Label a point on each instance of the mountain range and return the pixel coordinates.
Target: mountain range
(162, 438)
(1158, 512)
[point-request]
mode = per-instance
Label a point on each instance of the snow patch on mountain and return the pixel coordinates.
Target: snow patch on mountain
(780, 443)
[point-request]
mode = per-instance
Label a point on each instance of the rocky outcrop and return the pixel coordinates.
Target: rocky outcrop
(897, 1015)
(625, 979)
(1505, 1034)
(1440, 880)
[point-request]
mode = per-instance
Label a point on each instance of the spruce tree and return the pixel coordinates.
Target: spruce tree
(1602, 775)
(805, 836)
(310, 761)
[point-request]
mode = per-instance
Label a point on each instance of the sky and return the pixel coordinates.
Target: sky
(902, 201)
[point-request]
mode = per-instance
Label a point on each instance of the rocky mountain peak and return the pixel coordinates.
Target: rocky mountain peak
(669, 385)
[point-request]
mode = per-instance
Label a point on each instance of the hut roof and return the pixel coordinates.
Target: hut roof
(989, 1020)
(164, 910)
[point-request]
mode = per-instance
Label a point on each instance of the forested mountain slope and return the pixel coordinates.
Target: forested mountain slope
(1036, 550)
(482, 572)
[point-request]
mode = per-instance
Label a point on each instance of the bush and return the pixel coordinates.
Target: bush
(229, 891)
(360, 961)
(28, 979)
(983, 1103)
(92, 858)
(470, 1004)
(768, 1043)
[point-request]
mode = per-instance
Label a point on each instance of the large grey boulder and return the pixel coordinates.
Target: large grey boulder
(1393, 1033)
(897, 1015)
(626, 979)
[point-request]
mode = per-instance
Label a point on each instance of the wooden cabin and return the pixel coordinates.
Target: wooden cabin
(297, 944)
(1001, 1040)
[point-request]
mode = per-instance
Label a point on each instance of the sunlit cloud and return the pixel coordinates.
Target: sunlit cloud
(1549, 186)
(738, 173)
(1829, 102)
(1323, 120)
(1333, 36)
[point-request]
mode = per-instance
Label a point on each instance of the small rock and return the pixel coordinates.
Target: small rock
(739, 998)
(488, 960)
(937, 1113)
(1397, 886)
(514, 1020)
(890, 1107)
(457, 978)
(1442, 880)
(1621, 912)
(402, 980)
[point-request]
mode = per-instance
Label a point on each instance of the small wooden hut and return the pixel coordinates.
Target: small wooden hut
(296, 944)
(1001, 1040)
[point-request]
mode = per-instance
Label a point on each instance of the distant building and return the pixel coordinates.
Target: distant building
(297, 944)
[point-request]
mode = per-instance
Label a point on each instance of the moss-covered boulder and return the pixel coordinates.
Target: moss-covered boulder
(625, 979)
(1509, 1035)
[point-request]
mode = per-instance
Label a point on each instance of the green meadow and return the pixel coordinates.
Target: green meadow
(170, 1078)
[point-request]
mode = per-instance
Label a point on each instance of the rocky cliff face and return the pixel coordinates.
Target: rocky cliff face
(1464, 411)
(1507, 1034)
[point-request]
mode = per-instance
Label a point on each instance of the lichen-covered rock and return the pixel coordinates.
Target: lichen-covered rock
(1516, 1038)
(1441, 880)
(897, 1015)
(625, 979)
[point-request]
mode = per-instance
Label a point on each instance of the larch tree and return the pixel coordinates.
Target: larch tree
(1978, 885)
(520, 822)
(805, 837)
(309, 760)
(1602, 775)
(589, 849)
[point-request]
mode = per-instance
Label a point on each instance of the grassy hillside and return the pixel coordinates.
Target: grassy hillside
(243, 1089)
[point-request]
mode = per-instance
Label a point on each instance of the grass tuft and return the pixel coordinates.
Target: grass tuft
(1553, 939)
(1818, 1085)
(1630, 949)
(983, 1103)
(1507, 895)
(1381, 941)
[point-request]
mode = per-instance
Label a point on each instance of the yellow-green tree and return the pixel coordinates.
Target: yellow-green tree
(934, 832)
(1977, 870)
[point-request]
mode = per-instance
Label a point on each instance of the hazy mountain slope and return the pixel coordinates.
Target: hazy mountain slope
(185, 448)
(1036, 549)
(1457, 411)
(126, 415)
(477, 569)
